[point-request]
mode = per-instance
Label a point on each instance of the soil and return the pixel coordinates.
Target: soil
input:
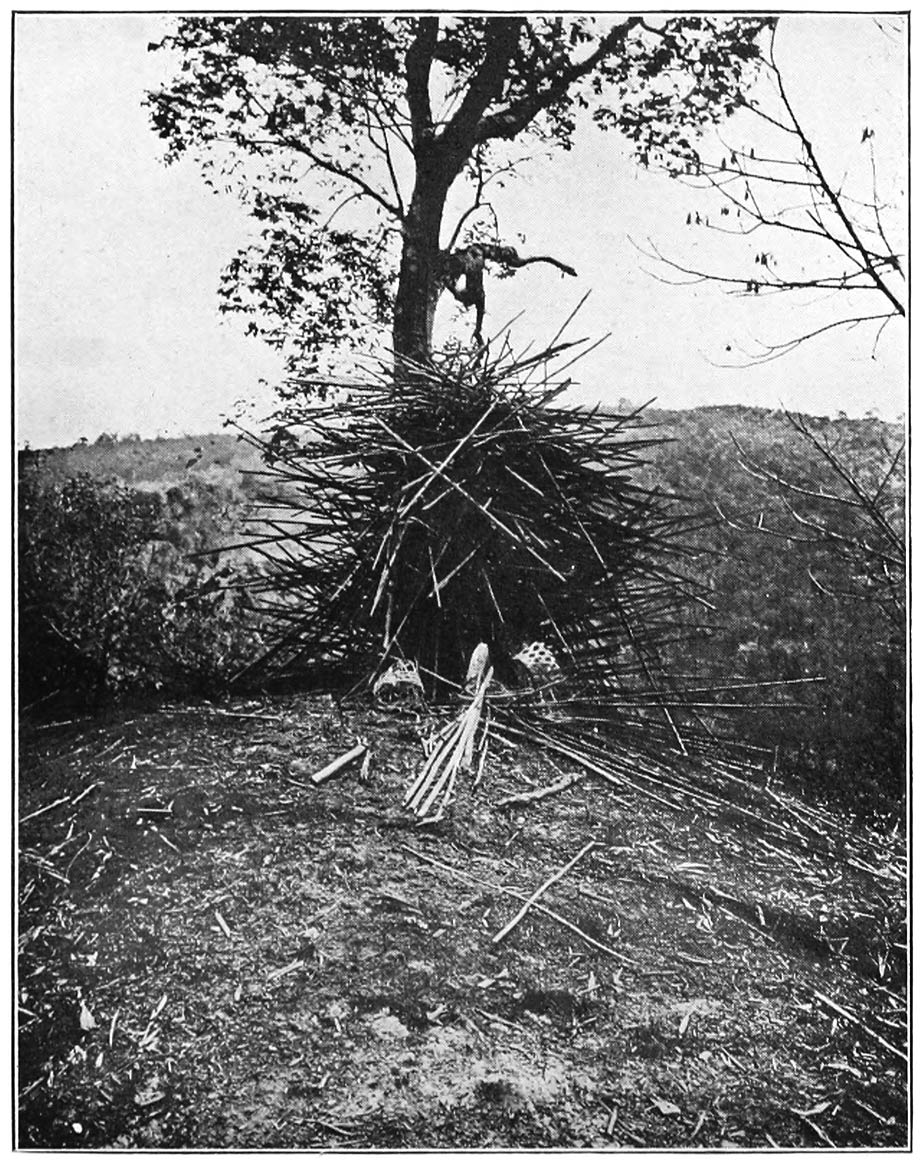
(214, 952)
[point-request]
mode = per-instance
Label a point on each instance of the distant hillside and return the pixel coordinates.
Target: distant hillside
(703, 433)
(152, 464)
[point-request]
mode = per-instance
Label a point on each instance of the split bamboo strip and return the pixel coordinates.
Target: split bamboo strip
(439, 772)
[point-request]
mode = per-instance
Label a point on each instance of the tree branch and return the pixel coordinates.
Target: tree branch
(508, 122)
(326, 165)
(461, 132)
(418, 64)
(833, 197)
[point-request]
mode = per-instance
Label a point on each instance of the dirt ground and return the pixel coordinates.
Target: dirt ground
(213, 952)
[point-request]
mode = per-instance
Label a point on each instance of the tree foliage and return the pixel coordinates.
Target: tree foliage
(349, 138)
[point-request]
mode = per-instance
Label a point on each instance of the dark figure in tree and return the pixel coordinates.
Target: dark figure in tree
(462, 273)
(349, 139)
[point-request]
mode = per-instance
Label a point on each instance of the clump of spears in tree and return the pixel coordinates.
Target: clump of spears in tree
(446, 507)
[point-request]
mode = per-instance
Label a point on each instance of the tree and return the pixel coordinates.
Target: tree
(813, 233)
(349, 139)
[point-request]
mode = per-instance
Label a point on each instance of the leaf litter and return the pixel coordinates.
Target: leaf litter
(210, 956)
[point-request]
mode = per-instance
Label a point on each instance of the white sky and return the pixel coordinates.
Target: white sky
(117, 257)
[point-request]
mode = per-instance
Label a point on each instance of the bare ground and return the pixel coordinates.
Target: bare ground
(215, 953)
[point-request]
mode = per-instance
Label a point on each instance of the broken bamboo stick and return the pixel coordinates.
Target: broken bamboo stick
(536, 795)
(339, 764)
(853, 1019)
(473, 880)
(549, 882)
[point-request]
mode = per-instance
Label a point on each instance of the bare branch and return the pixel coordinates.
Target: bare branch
(745, 180)
(833, 197)
(776, 351)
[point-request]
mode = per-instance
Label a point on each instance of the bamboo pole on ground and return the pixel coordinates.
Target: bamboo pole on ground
(546, 885)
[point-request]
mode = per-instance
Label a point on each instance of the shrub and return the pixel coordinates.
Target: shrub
(807, 581)
(110, 603)
(86, 605)
(210, 631)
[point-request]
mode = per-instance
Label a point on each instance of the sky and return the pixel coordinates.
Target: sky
(117, 257)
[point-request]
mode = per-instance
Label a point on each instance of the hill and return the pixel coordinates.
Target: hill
(151, 463)
(701, 434)
(217, 951)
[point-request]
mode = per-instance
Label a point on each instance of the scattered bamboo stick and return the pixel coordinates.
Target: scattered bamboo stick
(546, 885)
(224, 713)
(853, 1019)
(292, 967)
(538, 795)
(162, 838)
(43, 810)
(112, 1026)
(473, 880)
(886, 1121)
(594, 767)
(81, 796)
(821, 1134)
(339, 764)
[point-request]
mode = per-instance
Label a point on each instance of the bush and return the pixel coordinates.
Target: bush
(86, 604)
(109, 602)
(210, 631)
(807, 580)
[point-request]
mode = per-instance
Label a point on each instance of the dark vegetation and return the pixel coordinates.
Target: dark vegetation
(801, 584)
(121, 589)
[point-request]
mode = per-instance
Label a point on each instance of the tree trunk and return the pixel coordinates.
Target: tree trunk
(418, 285)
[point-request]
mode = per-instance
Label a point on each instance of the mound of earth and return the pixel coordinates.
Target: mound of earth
(214, 952)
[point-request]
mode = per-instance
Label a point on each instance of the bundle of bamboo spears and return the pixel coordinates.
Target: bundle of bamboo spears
(451, 750)
(460, 502)
(415, 515)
